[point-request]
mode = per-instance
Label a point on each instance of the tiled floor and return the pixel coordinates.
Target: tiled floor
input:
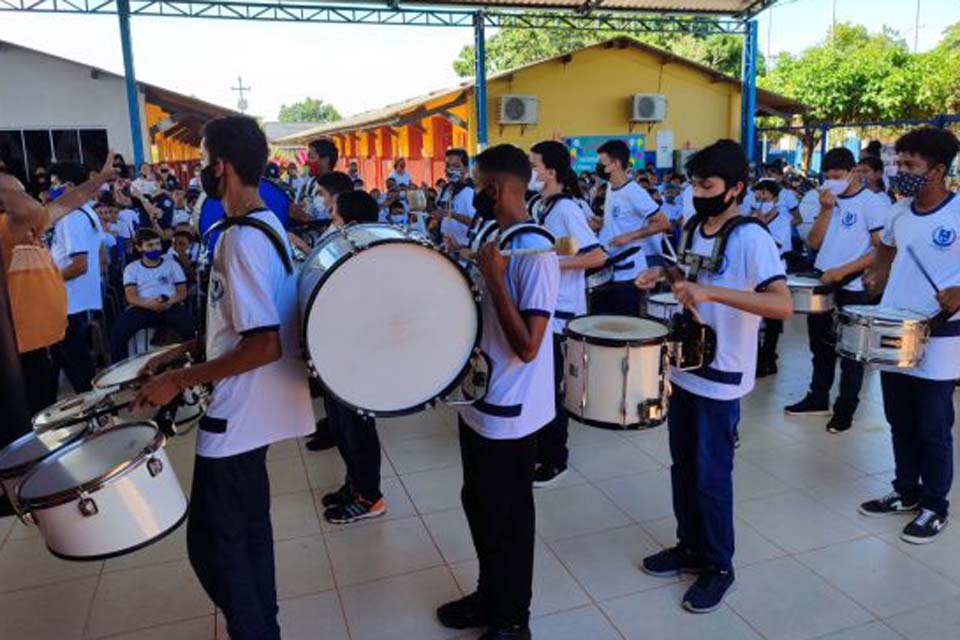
(808, 565)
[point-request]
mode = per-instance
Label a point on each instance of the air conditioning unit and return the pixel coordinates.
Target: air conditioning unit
(518, 109)
(648, 107)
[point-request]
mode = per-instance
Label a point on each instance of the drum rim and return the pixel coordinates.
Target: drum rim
(617, 426)
(116, 365)
(122, 552)
(12, 472)
(613, 342)
(69, 495)
(817, 289)
(849, 312)
(83, 416)
(457, 379)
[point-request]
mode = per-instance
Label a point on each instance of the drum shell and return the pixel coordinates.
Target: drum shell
(593, 382)
(811, 297)
(599, 277)
(133, 510)
(662, 307)
(876, 340)
(11, 477)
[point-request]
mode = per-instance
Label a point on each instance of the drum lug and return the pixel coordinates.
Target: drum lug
(154, 466)
(87, 506)
(27, 518)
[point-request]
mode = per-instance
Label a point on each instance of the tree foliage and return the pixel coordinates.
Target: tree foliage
(309, 110)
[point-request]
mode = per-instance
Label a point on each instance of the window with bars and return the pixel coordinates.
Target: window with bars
(23, 150)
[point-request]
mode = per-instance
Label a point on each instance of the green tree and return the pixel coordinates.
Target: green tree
(309, 110)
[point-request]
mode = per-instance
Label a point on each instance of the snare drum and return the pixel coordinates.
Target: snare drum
(616, 373)
(883, 336)
(662, 306)
(810, 295)
(24, 453)
(389, 323)
(109, 494)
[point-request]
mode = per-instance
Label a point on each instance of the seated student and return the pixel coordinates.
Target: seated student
(356, 436)
(186, 251)
(154, 286)
(396, 214)
(747, 285)
(181, 213)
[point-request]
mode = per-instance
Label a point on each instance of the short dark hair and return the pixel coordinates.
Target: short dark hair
(325, 148)
(838, 158)
(72, 172)
(335, 182)
(872, 162)
(239, 141)
(505, 159)
(770, 186)
(357, 206)
(184, 233)
(145, 235)
(618, 150)
(874, 147)
(460, 153)
(723, 159)
(396, 204)
(936, 146)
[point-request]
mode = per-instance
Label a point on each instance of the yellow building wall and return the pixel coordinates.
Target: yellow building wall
(592, 93)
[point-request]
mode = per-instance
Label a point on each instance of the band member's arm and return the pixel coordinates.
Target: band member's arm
(875, 279)
(772, 302)
(837, 274)
(656, 223)
(76, 196)
(297, 212)
(820, 224)
(76, 268)
(590, 260)
(795, 217)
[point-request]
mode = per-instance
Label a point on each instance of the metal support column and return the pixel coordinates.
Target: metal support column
(480, 82)
(748, 92)
(133, 99)
(824, 129)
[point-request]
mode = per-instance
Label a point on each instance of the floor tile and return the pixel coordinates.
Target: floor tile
(657, 615)
(784, 600)
(795, 522)
(381, 550)
(398, 502)
(196, 629)
(421, 454)
(400, 607)
(434, 490)
(802, 466)
(313, 617)
(654, 442)
(943, 556)
(870, 631)
(293, 515)
(171, 548)
(579, 624)
(611, 460)
(844, 498)
(303, 567)
(54, 612)
(751, 547)
(575, 511)
(283, 450)
(607, 564)
(449, 529)
(28, 563)
(878, 576)
(287, 475)
(750, 481)
(644, 496)
(146, 597)
(941, 620)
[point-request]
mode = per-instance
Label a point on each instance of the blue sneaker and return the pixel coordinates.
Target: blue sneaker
(671, 562)
(708, 591)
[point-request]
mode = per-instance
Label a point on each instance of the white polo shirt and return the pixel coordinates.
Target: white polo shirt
(563, 217)
(461, 203)
(781, 227)
(159, 280)
(519, 398)
(75, 234)
(627, 208)
(751, 262)
(251, 291)
(935, 238)
(852, 221)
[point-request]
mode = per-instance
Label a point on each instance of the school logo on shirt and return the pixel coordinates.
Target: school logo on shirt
(944, 237)
(164, 279)
(848, 219)
(216, 288)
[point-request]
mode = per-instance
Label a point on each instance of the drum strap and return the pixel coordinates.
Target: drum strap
(711, 263)
(547, 206)
(247, 221)
(508, 234)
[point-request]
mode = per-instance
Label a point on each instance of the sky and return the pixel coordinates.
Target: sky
(364, 67)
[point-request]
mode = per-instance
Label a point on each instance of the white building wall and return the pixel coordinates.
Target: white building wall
(44, 92)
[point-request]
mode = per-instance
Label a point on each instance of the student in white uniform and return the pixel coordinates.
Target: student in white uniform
(777, 218)
(560, 209)
(400, 175)
(455, 202)
(498, 434)
(705, 407)
(322, 157)
(155, 286)
(844, 235)
(260, 393)
(918, 402)
(629, 216)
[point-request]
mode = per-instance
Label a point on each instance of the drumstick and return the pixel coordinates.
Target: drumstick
(923, 270)
(673, 277)
(565, 246)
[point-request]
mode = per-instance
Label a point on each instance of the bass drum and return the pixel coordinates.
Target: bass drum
(389, 323)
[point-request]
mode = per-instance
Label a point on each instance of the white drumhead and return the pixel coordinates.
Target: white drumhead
(34, 447)
(392, 327)
(67, 408)
(883, 313)
(804, 282)
(89, 461)
(617, 327)
(666, 298)
(126, 370)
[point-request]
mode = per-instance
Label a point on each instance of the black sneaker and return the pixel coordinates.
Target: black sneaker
(465, 613)
(509, 632)
(355, 510)
(546, 475)
(807, 407)
(839, 424)
(891, 504)
(766, 368)
(671, 562)
(708, 591)
(925, 528)
(322, 439)
(338, 498)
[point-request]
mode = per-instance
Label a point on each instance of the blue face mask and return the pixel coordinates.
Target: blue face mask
(153, 254)
(908, 184)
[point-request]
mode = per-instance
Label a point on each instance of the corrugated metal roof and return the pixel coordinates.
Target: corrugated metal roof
(721, 7)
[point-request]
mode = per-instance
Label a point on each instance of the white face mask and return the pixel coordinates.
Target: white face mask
(319, 205)
(535, 184)
(836, 186)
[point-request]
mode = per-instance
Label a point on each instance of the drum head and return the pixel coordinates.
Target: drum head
(67, 410)
(614, 330)
(34, 447)
(89, 462)
(664, 298)
(883, 313)
(392, 327)
(804, 281)
(125, 370)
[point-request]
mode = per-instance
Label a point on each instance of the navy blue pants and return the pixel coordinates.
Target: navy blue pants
(72, 354)
(359, 445)
(552, 439)
(701, 446)
(177, 317)
(920, 413)
(617, 299)
(230, 542)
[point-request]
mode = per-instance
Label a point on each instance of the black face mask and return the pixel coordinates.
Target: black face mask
(210, 182)
(712, 206)
(484, 204)
(602, 172)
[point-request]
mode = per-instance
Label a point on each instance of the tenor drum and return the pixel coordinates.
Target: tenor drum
(883, 336)
(109, 494)
(810, 295)
(91, 409)
(662, 306)
(24, 453)
(616, 373)
(389, 323)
